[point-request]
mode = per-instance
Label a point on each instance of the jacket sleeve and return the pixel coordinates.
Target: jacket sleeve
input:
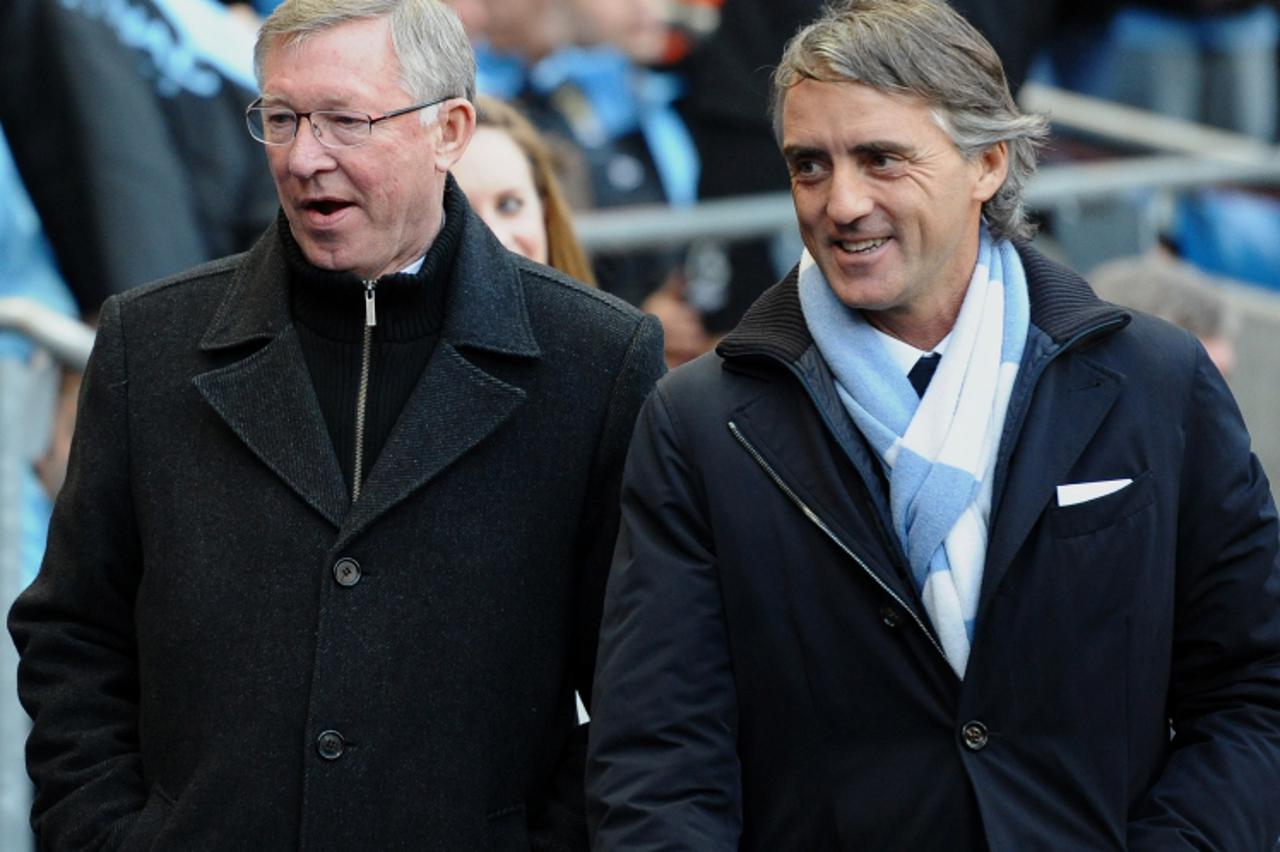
(662, 767)
(73, 627)
(1220, 788)
(561, 824)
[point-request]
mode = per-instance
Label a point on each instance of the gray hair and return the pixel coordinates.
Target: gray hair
(924, 49)
(433, 51)
(1171, 290)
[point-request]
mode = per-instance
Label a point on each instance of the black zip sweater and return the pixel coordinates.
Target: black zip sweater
(329, 312)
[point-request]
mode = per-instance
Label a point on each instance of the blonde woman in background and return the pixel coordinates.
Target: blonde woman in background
(508, 174)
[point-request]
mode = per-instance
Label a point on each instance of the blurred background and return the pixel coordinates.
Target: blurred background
(124, 158)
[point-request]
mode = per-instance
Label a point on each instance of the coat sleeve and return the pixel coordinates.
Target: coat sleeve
(561, 824)
(1220, 788)
(662, 768)
(73, 627)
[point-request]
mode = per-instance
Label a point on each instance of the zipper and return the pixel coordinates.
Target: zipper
(820, 524)
(362, 393)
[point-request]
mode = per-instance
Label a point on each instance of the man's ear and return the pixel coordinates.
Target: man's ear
(457, 124)
(992, 167)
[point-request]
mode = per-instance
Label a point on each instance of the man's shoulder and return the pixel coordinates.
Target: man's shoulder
(205, 279)
(561, 308)
(544, 285)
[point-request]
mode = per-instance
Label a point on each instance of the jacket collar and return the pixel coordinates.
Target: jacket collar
(1063, 306)
(485, 306)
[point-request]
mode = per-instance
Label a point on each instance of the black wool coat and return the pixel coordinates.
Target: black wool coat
(204, 669)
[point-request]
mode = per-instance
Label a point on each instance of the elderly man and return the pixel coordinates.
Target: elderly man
(328, 565)
(1033, 603)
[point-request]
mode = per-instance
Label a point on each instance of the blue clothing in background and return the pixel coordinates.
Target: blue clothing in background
(27, 269)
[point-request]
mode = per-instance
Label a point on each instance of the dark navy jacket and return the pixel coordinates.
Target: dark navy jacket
(767, 678)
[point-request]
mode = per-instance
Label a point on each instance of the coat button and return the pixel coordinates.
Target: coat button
(974, 735)
(890, 616)
(331, 745)
(347, 572)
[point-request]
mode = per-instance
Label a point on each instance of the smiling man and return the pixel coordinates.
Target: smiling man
(327, 569)
(937, 550)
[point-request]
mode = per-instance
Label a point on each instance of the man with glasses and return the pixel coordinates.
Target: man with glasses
(327, 568)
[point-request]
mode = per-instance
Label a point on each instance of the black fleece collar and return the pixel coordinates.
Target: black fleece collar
(1063, 306)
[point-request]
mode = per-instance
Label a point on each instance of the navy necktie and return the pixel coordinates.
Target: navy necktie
(922, 372)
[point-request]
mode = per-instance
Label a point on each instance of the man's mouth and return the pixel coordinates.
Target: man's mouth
(862, 246)
(325, 206)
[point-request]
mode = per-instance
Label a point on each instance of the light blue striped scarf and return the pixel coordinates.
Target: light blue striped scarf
(939, 451)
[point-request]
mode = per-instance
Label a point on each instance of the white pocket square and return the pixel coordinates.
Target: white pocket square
(1082, 492)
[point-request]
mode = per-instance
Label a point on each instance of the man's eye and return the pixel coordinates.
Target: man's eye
(278, 118)
(805, 168)
(346, 120)
(884, 162)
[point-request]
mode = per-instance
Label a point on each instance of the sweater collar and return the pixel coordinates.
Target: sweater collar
(1063, 306)
(483, 298)
(409, 306)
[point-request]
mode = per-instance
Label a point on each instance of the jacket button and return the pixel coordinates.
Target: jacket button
(331, 745)
(346, 572)
(890, 616)
(974, 735)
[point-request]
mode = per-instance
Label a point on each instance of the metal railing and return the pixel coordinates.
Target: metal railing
(1187, 155)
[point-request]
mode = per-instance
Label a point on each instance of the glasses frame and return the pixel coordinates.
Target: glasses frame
(298, 116)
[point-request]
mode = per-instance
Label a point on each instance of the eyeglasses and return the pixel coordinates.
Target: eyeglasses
(333, 128)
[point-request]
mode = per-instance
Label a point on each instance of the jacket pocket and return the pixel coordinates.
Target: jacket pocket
(509, 830)
(150, 823)
(1084, 518)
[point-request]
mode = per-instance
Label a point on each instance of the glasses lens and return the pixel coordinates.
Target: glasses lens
(272, 125)
(341, 128)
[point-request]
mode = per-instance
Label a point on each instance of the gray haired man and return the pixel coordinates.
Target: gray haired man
(937, 550)
(327, 569)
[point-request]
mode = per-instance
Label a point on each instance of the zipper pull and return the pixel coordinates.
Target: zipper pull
(370, 313)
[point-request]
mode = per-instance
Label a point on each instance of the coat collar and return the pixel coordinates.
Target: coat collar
(1063, 306)
(485, 307)
(267, 399)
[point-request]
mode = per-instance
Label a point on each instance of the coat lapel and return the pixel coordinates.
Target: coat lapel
(456, 404)
(267, 398)
(268, 401)
(1069, 403)
(455, 407)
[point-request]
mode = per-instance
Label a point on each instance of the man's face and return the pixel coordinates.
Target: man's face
(886, 204)
(371, 209)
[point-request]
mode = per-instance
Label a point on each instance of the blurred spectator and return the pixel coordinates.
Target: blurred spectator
(27, 269)
(508, 174)
(1230, 232)
(137, 129)
(1207, 61)
(1210, 61)
(1177, 292)
(574, 67)
(1018, 29)
(726, 108)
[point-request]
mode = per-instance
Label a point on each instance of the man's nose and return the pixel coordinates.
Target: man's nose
(850, 198)
(306, 155)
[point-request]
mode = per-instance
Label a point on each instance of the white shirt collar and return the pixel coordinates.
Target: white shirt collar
(904, 354)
